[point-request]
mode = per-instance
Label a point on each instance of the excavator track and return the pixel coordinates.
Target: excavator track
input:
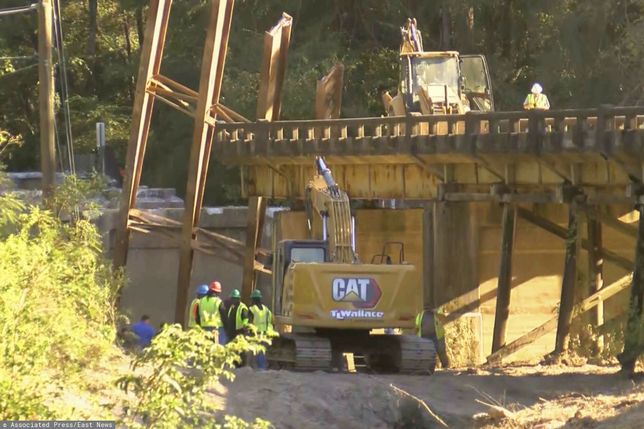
(417, 355)
(300, 352)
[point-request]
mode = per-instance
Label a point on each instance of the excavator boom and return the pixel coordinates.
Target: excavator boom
(332, 205)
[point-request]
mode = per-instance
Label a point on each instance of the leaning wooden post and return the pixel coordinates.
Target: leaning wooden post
(504, 287)
(568, 284)
(150, 65)
(632, 345)
(254, 231)
(210, 83)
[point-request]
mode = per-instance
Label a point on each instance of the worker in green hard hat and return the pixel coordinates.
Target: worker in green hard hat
(262, 319)
(236, 316)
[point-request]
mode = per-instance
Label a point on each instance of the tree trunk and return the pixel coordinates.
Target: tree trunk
(140, 28)
(445, 28)
(93, 27)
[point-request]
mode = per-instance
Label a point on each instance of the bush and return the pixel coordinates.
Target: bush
(170, 380)
(56, 307)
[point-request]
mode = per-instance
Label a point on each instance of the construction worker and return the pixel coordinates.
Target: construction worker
(536, 100)
(193, 313)
(262, 318)
(144, 331)
(428, 326)
(211, 311)
(236, 316)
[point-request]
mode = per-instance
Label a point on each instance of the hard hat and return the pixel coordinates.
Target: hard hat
(256, 294)
(235, 294)
(215, 286)
(536, 89)
(202, 290)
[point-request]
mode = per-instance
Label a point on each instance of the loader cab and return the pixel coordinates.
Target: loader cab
(293, 251)
(450, 82)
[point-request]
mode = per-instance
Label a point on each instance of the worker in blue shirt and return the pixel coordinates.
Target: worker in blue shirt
(144, 331)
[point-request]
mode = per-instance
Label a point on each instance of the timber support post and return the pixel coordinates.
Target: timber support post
(254, 232)
(429, 294)
(46, 95)
(633, 346)
(210, 82)
(150, 65)
(504, 287)
(567, 300)
(595, 274)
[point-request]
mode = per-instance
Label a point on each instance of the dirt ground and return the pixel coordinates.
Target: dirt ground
(534, 396)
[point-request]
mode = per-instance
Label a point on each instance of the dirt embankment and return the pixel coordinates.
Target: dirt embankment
(542, 397)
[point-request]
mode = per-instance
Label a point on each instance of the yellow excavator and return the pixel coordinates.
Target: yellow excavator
(439, 82)
(327, 302)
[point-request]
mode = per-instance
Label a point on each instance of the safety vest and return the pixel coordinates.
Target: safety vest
(209, 312)
(262, 318)
(438, 326)
(192, 316)
(239, 322)
(536, 101)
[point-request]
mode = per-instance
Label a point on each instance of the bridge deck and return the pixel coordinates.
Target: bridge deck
(536, 154)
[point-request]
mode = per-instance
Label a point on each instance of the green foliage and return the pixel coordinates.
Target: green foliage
(56, 308)
(171, 376)
(585, 53)
(73, 197)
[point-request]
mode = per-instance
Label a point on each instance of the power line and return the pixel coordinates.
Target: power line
(15, 10)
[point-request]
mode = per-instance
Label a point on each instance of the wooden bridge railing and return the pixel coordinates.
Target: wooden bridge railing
(576, 123)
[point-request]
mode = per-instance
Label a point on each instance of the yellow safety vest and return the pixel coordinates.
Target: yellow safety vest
(209, 312)
(262, 318)
(239, 322)
(192, 321)
(438, 326)
(536, 101)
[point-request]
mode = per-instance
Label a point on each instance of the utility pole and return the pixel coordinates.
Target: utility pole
(46, 89)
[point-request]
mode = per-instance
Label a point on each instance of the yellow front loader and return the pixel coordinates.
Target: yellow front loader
(438, 82)
(327, 302)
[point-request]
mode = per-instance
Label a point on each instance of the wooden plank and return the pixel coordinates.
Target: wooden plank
(551, 324)
(212, 68)
(504, 287)
(46, 97)
(567, 300)
(254, 230)
(150, 63)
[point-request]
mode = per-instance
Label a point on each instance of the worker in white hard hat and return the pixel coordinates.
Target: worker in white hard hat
(536, 99)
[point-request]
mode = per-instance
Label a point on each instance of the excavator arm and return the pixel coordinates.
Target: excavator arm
(332, 205)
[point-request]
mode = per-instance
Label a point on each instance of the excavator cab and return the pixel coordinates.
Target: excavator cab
(293, 251)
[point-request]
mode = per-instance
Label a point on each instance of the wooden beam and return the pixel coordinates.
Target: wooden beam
(273, 68)
(150, 64)
(328, 94)
(595, 272)
(560, 232)
(254, 230)
(567, 299)
(504, 287)
(633, 345)
(551, 324)
(212, 70)
(616, 224)
(428, 256)
(46, 96)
